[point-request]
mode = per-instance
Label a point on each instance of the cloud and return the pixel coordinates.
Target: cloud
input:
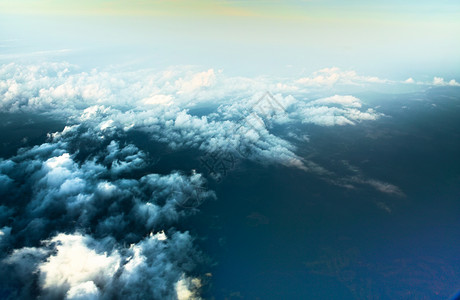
(77, 266)
(186, 288)
(333, 111)
(73, 227)
(195, 82)
(35, 54)
(333, 76)
(348, 101)
(158, 100)
(356, 177)
(385, 187)
(409, 80)
(439, 81)
(156, 104)
(65, 89)
(83, 291)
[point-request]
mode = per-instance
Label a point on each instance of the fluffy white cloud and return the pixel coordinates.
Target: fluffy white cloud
(132, 106)
(332, 76)
(439, 81)
(195, 82)
(348, 101)
(335, 110)
(186, 288)
(74, 265)
(409, 80)
(83, 291)
(158, 100)
(77, 266)
(62, 86)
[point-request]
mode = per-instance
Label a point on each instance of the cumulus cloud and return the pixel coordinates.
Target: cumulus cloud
(439, 81)
(120, 101)
(158, 99)
(333, 76)
(155, 104)
(75, 266)
(195, 82)
(346, 100)
(90, 227)
(83, 291)
(62, 86)
(409, 80)
(186, 288)
(335, 110)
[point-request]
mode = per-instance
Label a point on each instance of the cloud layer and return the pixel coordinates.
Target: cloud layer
(91, 227)
(82, 217)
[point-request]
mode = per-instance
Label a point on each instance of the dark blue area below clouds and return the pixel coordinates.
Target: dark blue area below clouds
(282, 233)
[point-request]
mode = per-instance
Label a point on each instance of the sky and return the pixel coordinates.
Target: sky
(389, 39)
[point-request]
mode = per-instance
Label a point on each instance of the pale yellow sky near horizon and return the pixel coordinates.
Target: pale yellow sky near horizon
(287, 9)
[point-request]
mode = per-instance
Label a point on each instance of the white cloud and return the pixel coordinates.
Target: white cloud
(439, 81)
(64, 89)
(333, 76)
(186, 288)
(348, 101)
(409, 80)
(332, 111)
(158, 100)
(83, 291)
(75, 264)
(195, 82)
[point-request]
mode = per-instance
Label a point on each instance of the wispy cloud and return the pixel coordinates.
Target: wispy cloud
(35, 54)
